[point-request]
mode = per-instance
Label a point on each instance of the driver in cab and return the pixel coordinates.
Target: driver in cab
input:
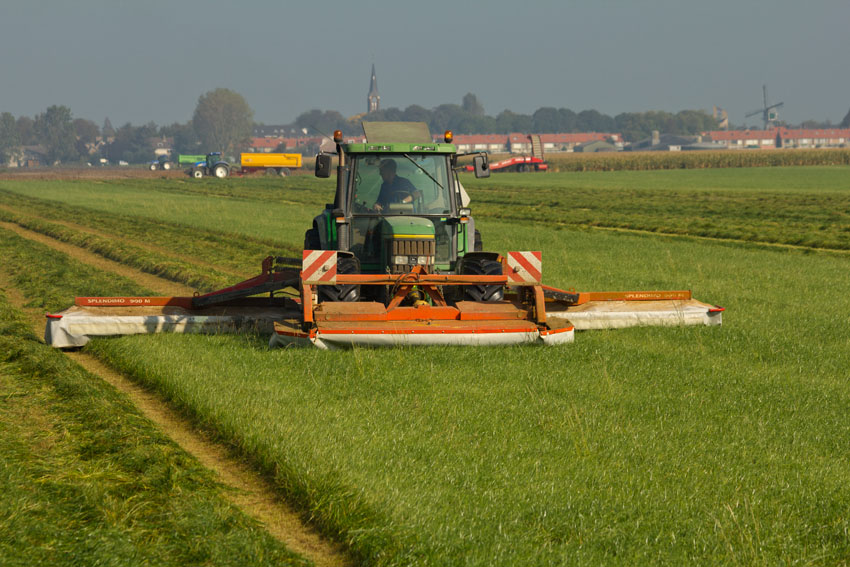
(394, 189)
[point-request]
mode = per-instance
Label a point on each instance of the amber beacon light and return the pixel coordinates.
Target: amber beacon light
(449, 136)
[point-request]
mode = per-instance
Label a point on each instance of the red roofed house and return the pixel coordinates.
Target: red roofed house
(517, 143)
(265, 144)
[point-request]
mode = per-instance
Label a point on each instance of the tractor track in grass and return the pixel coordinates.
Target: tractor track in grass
(143, 245)
(737, 241)
(247, 489)
(156, 284)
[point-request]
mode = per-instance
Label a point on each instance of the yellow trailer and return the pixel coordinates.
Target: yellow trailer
(280, 164)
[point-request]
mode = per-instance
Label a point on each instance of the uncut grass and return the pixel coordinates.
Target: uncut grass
(51, 279)
(224, 250)
(802, 206)
(85, 479)
(794, 206)
(266, 215)
(202, 278)
(670, 445)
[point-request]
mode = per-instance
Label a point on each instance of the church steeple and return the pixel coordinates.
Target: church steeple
(373, 99)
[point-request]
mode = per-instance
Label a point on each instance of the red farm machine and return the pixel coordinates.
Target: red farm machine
(521, 163)
(394, 260)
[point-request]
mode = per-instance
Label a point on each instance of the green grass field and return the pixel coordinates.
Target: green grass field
(85, 478)
(638, 446)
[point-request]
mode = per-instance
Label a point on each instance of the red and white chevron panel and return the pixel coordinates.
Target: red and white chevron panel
(525, 268)
(318, 267)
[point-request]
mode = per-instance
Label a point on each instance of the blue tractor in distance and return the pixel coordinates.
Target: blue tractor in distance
(212, 165)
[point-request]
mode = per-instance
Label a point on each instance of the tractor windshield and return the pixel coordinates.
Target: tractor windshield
(401, 184)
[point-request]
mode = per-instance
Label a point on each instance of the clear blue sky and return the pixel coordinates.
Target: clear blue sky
(150, 61)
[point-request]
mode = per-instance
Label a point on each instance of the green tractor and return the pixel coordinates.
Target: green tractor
(398, 205)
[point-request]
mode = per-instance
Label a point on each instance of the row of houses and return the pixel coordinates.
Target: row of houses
(518, 143)
(781, 138)
(493, 143)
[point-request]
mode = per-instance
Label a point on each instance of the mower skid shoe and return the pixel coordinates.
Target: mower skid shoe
(339, 335)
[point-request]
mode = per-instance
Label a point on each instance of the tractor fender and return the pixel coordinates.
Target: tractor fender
(320, 223)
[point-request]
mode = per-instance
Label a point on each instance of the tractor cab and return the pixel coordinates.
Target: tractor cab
(398, 202)
(212, 159)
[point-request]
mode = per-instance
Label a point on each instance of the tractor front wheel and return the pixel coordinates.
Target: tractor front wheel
(197, 173)
(346, 292)
(483, 292)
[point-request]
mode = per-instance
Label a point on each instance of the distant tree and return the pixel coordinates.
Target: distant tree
(694, 122)
(474, 124)
(9, 139)
(26, 130)
(416, 113)
(132, 143)
(86, 132)
(54, 129)
(845, 123)
(185, 139)
(391, 114)
(508, 122)
(223, 121)
(108, 131)
(568, 119)
(546, 120)
(323, 122)
(594, 121)
(633, 126)
(471, 105)
(445, 117)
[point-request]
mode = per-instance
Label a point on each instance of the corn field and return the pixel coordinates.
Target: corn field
(696, 159)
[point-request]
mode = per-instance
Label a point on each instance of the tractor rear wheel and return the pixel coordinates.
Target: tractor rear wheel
(220, 171)
(346, 292)
(166, 166)
(482, 292)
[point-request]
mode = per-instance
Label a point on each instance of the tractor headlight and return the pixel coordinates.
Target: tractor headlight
(412, 260)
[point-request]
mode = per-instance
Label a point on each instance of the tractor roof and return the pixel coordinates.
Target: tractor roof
(397, 137)
(394, 132)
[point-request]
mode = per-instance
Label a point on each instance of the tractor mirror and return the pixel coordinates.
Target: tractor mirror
(323, 165)
(482, 168)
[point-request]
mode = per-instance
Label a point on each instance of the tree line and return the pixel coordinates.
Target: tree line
(469, 118)
(223, 121)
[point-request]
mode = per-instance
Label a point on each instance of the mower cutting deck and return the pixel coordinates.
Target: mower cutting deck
(529, 312)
